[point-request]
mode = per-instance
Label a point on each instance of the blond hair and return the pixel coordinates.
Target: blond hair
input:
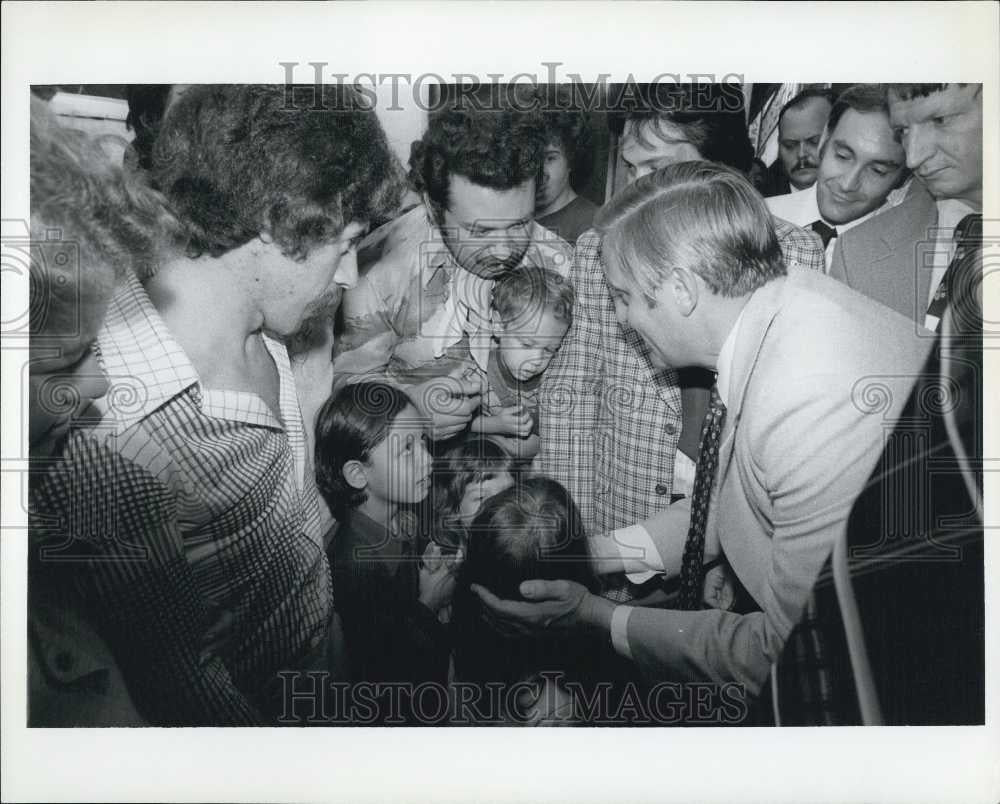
(90, 222)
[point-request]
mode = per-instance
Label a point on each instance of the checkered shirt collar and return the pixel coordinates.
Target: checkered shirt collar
(146, 367)
(139, 355)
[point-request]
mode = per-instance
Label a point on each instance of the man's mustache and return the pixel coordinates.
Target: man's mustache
(805, 164)
(490, 259)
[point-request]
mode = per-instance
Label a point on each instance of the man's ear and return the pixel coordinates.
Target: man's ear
(685, 289)
(823, 141)
(265, 237)
(355, 475)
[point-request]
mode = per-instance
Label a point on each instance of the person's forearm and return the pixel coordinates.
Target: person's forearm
(595, 613)
(368, 359)
(668, 532)
(481, 424)
(632, 550)
(528, 449)
(605, 555)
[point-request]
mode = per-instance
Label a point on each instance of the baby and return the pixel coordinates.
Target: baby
(532, 310)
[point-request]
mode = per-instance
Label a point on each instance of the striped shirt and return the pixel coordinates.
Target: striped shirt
(189, 521)
(609, 421)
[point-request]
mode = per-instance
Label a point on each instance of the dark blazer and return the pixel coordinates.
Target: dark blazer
(818, 375)
(915, 548)
(889, 258)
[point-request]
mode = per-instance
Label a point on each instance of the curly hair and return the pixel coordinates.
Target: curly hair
(146, 106)
(349, 426)
(498, 144)
(238, 160)
(570, 129)
(521, 294)
(81, 201)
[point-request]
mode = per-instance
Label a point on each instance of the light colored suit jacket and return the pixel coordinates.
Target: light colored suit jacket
(819, 375)
(890, 257)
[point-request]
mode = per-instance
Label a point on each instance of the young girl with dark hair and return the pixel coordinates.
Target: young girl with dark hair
(371, 462)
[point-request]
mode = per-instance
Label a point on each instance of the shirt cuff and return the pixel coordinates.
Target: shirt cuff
(619, 630)
(635, 545)
(639, 578)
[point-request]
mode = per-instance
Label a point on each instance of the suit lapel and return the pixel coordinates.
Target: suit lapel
(884, 260)
(757, 319)
(908, 251)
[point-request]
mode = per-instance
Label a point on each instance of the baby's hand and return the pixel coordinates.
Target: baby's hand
(434, 558)
(512, 421)
(437, 579)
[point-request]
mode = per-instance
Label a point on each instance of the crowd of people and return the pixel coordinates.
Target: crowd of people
(322, 441)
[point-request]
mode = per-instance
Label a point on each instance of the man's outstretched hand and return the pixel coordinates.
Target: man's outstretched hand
(553, 605)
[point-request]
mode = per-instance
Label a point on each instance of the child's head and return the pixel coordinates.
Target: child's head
(370, 444)
(533, 310)
(531, 530)
(465, 476)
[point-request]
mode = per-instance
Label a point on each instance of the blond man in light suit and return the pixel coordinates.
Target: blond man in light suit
(812, 375)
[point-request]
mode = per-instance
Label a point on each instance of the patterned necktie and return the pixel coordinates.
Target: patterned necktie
(826, 233)
(968, 238)
(692, 567)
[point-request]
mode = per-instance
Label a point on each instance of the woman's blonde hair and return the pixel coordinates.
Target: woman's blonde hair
(90, 222)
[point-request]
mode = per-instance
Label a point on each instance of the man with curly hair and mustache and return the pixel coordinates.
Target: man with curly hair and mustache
(420, 315)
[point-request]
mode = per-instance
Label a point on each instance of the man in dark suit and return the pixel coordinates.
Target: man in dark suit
(902, 257)
(914, 653)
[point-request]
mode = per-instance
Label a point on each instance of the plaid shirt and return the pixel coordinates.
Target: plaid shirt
(609, 422)
(188, 520)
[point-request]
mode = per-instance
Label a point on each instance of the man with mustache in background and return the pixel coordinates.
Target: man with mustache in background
(420, 314)
(800, 127)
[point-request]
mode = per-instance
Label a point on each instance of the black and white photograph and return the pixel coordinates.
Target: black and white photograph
(362, 393)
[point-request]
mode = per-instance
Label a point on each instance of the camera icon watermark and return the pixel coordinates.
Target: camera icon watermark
(48, 267)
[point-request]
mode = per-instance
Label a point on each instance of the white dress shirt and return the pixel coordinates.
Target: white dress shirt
(802, 209)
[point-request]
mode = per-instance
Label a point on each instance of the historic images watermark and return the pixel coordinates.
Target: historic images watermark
(599, 94)
(314, 698)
